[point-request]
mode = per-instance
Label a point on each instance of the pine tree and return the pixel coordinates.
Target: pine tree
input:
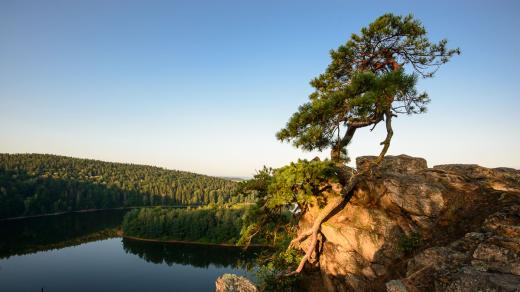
(371, 79)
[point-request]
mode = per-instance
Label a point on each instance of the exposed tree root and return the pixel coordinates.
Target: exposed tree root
(336, 201)
(313, 231)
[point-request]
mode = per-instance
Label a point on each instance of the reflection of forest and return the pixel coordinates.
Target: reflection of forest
(194, 255)
(51, 232)
(31, 235)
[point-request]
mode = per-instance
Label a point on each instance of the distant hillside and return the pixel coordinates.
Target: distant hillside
(32, 184)
(234, 178)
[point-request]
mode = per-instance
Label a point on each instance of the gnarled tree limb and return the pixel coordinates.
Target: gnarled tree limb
(336, 201)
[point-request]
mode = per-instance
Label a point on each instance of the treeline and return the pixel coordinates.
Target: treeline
(208, 225)
(32, 184)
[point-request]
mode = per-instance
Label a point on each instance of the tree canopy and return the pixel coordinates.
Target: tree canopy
(32, 184)
(371, 78)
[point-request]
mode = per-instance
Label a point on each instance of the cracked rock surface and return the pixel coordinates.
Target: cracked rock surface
(414, 228)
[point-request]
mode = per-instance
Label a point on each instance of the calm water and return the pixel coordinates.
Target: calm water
(80, 252)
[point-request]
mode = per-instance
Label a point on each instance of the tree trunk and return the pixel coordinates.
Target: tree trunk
(335, 155)
(344, 195)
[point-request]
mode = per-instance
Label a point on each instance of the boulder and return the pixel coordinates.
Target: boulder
(234, 283)
(399, 164)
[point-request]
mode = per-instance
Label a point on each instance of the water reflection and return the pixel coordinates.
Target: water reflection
(66, 252)
(193, 255)
(31, 235)
(19, 237)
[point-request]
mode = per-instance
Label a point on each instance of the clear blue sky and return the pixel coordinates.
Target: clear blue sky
(204, 85)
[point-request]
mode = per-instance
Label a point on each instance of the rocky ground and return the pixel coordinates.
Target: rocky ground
(414, 228)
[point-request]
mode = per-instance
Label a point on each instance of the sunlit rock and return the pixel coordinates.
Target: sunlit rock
(234, 283)
(413, 228)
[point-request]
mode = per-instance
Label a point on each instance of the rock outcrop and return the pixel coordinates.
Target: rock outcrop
(488, 260)
(414, 228)
(234, 283)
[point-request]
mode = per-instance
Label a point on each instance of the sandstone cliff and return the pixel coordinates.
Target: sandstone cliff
(414, 228)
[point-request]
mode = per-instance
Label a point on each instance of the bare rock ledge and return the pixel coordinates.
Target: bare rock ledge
(413, 228)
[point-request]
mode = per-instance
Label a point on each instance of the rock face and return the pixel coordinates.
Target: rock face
(234, 283)
(488, 260)
(414, 228)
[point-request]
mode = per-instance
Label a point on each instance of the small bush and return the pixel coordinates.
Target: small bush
(408, 243)
(270, 277)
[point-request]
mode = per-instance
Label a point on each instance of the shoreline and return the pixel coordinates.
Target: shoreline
(120, 233)
(85, 211)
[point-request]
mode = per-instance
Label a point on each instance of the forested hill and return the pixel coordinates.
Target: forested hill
(32, 184)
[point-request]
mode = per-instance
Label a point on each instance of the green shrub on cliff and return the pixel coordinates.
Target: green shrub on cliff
(408, 243)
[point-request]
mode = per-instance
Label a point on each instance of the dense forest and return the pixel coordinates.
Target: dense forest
(32, 184)
(208, 225)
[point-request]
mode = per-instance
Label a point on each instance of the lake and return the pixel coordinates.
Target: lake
(82, 252)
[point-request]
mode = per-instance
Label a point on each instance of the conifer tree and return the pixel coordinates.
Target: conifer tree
(371, 79)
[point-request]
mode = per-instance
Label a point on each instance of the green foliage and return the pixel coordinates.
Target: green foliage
(270, 277)
(371, 76)
(408, 243)
(258, 219)
(208, 225)
(258, 185)
(297, 183)
(282, 194)
(32, 184)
